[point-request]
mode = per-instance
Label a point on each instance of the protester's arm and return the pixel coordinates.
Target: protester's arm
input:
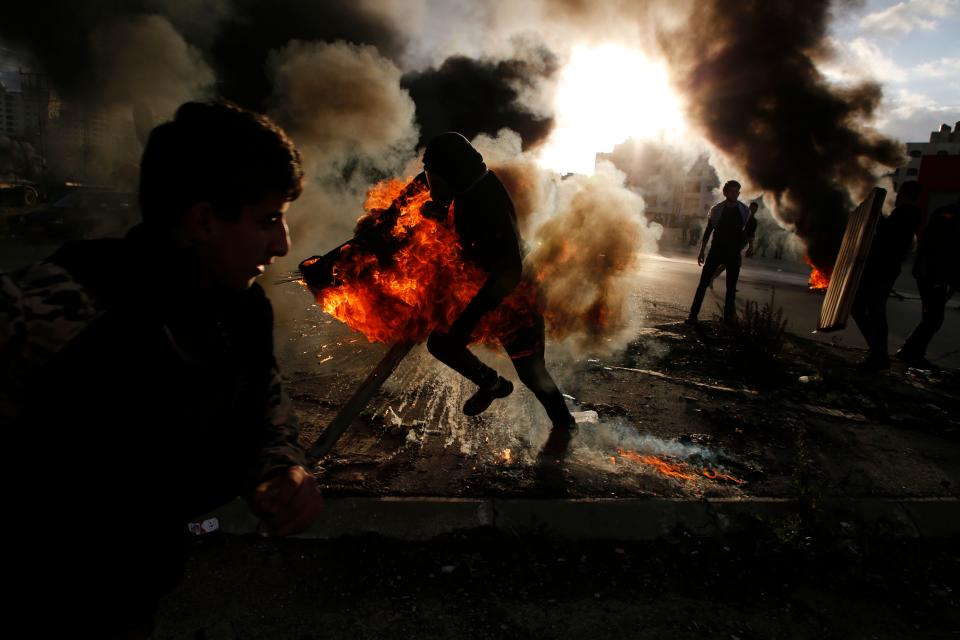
(703, 243)
(287, 497)
(751, 232)
(284, 491)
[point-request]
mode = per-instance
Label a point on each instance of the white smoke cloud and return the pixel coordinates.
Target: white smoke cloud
(344, 101)
(343, 106)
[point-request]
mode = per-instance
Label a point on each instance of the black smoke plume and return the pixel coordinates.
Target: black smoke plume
(481, 96)
(236, 41)
(748, 71)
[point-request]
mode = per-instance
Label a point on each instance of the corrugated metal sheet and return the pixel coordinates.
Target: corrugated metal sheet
(851, 260)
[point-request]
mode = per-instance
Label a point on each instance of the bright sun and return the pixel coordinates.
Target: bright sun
(605, 95)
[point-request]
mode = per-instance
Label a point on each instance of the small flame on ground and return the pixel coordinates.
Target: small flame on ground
(675, 469)
(713, 474)
(819, 280)
(506, 455)
(661, 465)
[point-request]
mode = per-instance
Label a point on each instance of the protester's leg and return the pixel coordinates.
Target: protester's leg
(730, 299)
(860, 312)
(933, 297)
(869, 312)
(526, 351)
(879, 316)
(716, 274)
(451, 348)
(709, 266)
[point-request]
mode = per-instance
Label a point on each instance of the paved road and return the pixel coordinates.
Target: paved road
(671, 280)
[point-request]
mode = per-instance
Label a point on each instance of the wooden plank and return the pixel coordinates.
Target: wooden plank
(359, 400)
(850, 262)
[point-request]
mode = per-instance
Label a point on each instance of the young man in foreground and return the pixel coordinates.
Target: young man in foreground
(139, 383)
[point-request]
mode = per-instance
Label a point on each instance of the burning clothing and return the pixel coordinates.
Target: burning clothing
(151, 406)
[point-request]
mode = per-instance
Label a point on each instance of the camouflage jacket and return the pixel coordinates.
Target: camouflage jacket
(104, 361)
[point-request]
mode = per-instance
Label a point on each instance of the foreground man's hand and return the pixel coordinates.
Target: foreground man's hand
(287, 503)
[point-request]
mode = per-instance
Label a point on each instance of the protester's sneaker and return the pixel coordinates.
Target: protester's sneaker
(559, 438)
(484, 396)
(915, 360)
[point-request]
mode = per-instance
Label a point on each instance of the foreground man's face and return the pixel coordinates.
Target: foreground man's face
(239, 249)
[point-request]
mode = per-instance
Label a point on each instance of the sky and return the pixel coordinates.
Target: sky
(909, 47)
(913, 49)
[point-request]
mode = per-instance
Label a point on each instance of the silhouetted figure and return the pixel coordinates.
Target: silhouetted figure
(486, 223)
(750, 230)
(728, 225)
(139, 388)
(937, 270)
(891, 244)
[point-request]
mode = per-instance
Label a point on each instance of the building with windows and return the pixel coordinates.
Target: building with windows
(945, 142)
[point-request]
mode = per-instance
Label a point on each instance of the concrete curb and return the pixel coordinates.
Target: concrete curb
(422, 518)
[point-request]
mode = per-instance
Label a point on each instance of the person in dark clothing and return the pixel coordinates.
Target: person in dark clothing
(728, 224)
(891, 244)
(749, 231)
(937, 270)
(139, 383)
(486, 224)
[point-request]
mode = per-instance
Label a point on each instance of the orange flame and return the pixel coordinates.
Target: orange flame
(676, 469)
(819, 280)
(662, 466)
(424, 285)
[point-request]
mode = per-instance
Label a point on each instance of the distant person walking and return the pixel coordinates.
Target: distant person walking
(891, 244)
(728, 224)
(937, 270)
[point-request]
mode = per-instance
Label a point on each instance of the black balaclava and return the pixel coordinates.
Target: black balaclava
(451, 156)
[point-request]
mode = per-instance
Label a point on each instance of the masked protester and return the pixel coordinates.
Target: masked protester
(486, 224)
(139, 378)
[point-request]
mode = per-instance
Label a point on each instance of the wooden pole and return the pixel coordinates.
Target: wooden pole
(359, 400)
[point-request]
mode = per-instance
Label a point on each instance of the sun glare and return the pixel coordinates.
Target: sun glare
(605, 95)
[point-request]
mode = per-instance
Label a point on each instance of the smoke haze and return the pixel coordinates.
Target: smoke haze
(752, 84)
(362, 86)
